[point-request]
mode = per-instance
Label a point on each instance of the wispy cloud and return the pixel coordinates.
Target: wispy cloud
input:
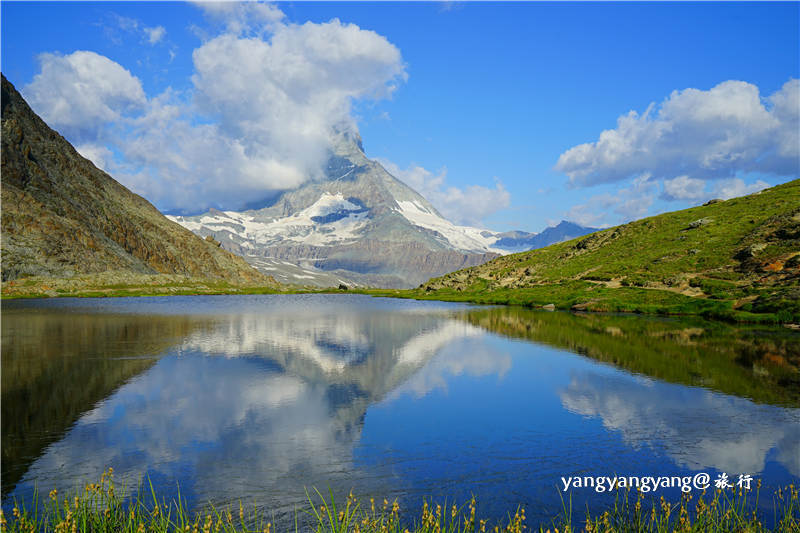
(116, 27)
(155, 34)
(469, 205)
(625, 204)
(696, 190)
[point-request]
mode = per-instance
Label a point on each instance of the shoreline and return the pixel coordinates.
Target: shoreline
(561, 297)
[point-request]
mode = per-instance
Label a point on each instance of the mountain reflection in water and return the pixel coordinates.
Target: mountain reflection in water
(258, 398)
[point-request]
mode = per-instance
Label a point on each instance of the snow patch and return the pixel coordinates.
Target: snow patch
(462, 237)
(301, 228)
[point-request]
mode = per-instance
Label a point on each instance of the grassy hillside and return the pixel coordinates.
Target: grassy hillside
(737, 259)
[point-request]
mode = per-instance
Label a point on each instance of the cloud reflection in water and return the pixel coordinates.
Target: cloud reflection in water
(699, 429)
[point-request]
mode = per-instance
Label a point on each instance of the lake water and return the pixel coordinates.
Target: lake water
(259, 398)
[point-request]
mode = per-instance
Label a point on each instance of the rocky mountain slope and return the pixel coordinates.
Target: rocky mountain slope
(735, 259)
(62, 217)
(360, 224)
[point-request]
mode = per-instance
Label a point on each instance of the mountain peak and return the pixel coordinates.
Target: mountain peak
(566, 224)
(347, 142)
(358, 222)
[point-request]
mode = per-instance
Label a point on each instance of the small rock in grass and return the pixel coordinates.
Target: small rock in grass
(750, 251)
(700, 222)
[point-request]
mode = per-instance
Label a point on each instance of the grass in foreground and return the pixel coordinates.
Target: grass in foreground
(100, 509)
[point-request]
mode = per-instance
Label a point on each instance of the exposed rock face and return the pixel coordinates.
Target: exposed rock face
(61, 216)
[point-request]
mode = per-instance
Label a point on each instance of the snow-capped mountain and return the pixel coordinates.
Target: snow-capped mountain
(360, 225)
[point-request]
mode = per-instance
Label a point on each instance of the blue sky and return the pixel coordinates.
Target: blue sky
(480, 106)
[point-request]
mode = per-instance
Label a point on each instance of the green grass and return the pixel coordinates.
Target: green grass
(741, 264)
(776, 307)
(153, 286)
(99, 508)
(580, 296)
(114, 284)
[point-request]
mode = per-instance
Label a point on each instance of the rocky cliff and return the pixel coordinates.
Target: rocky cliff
(61, 216)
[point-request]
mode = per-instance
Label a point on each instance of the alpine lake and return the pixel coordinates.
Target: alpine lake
(262, 399)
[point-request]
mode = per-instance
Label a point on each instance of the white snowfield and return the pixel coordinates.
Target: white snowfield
(297, 228)
(464, 238)
(301, 273)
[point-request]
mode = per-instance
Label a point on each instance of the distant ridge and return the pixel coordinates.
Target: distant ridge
(61, 216)
(520, 241)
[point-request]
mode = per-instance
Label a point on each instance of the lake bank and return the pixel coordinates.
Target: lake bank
(592, 298)
(568, 296)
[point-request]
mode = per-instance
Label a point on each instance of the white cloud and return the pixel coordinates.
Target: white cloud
(628, 203)
(80, 93)
(684, 188)
(178, 164)
(155, 34)
(284, 97)
(734, 187)
(633, 201)
(712, 134)
(469, 205)
(786, 109)
(243, 17)
(259, 118)
(98, 154)
(695, 190)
